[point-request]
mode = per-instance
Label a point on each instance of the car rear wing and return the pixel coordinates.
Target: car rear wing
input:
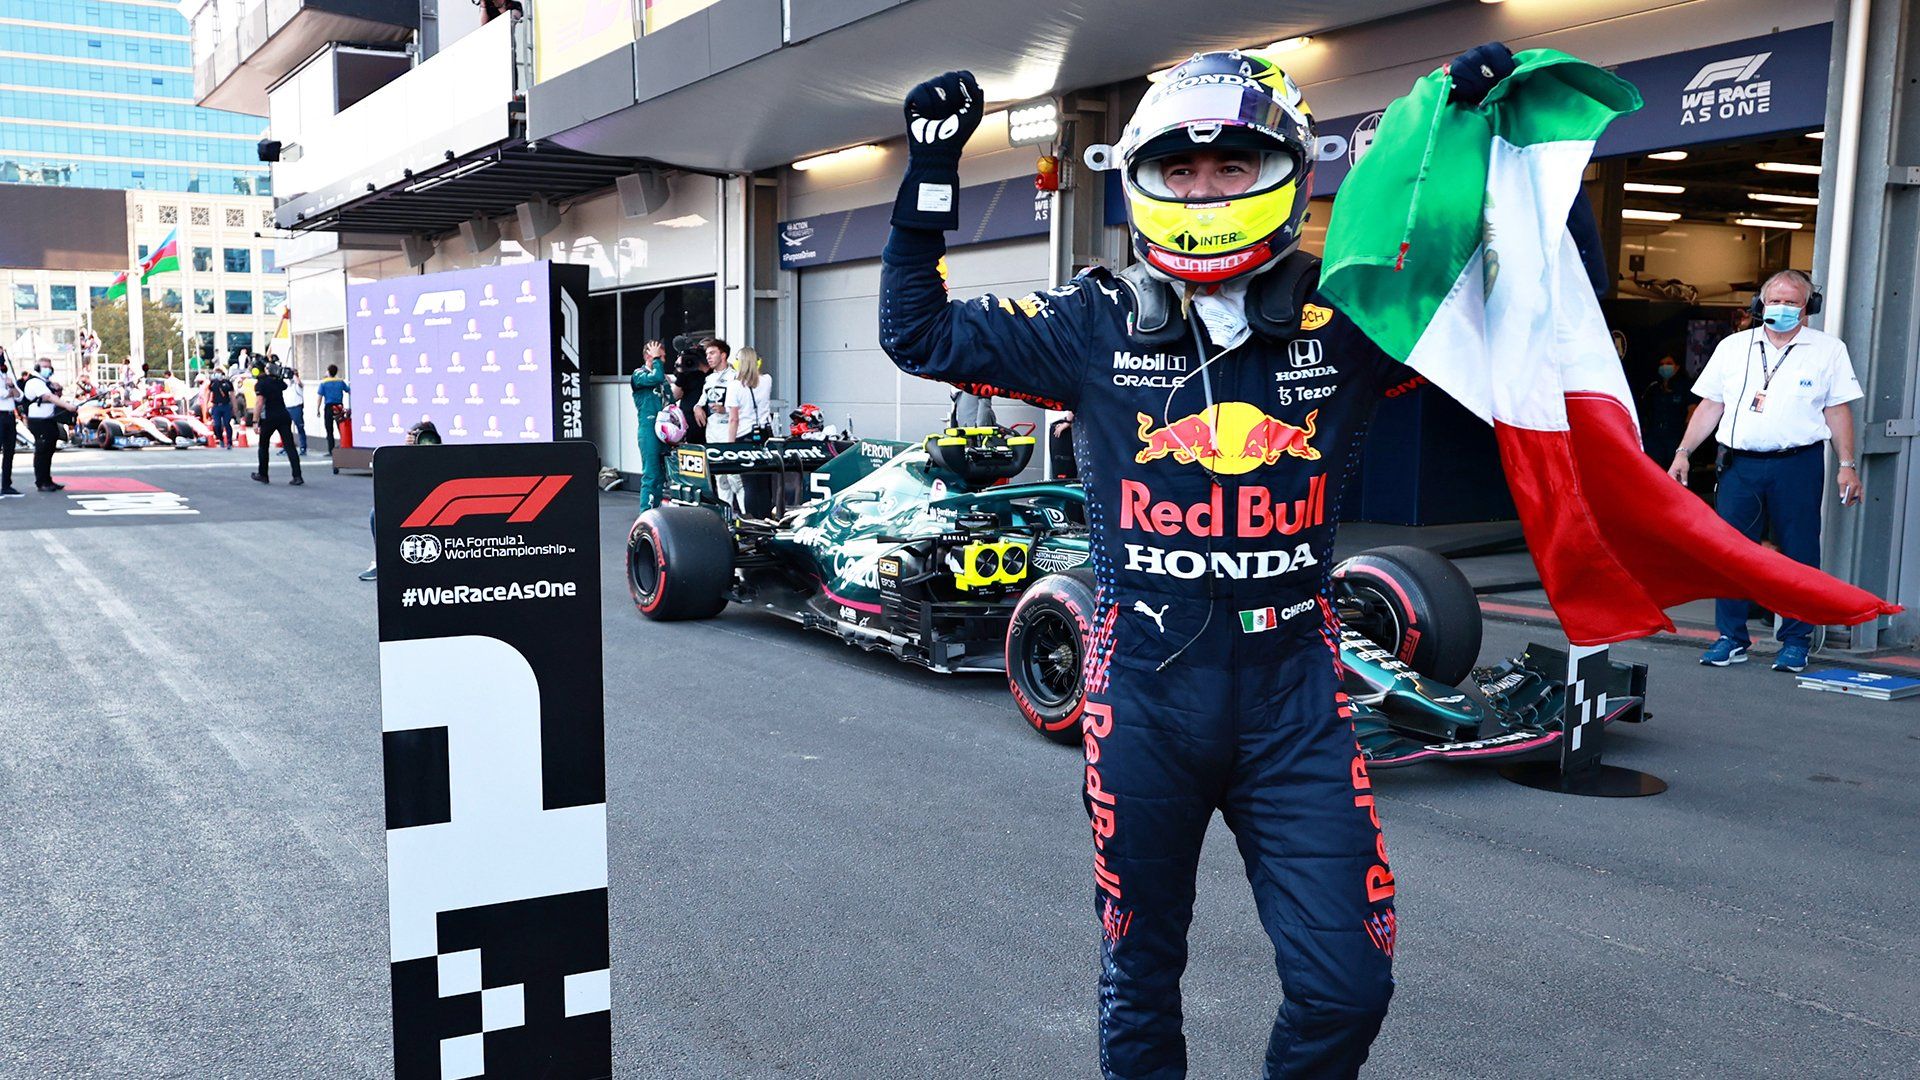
(829, 464)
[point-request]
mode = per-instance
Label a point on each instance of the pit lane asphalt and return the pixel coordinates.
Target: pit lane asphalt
(828, 864)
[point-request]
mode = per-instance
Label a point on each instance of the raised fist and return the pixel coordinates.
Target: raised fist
(1478, 70)
(942, 114)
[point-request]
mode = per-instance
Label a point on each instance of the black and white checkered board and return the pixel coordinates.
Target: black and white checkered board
(490, 679)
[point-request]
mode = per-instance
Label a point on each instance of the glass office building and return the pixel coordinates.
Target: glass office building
(99, 93)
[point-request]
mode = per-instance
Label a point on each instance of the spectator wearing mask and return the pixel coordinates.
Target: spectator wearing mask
(270, 391)
(296, 402)
(43, 405)
(1773, 396)
(220, 401)
(749, 405)
(10, 402)
(333, 402)
(1664, 405)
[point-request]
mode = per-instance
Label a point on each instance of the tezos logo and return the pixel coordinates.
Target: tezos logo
(419, 548)
(1705, 99)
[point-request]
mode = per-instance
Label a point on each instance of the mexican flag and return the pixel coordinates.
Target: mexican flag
(119, 287)
(164, 260)
(1254, 620)
(1449, 248)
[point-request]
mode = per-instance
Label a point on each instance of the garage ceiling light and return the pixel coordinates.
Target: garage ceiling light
(1649, 215)
(1768, 223)
(1657, 189)
(851, 153)
(1033, 124)
(1790, 200)
(1669, 155)
(1788, 167)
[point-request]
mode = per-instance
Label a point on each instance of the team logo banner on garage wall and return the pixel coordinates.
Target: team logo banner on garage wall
(1001, 210)
(494, 747)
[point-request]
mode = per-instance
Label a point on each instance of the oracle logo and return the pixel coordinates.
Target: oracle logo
(519, 499)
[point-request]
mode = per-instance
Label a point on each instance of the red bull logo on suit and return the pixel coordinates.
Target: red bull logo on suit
(1231, 437)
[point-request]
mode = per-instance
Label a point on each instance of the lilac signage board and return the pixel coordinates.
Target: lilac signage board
(490, 355)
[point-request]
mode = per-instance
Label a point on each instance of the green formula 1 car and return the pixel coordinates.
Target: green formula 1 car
(928, 553)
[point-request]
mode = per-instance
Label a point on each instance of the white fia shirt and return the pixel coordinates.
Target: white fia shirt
(1811, 373)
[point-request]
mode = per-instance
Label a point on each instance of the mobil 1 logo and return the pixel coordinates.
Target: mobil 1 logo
(494, 756)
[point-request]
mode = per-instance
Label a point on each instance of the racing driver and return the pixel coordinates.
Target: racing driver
(1219, 405)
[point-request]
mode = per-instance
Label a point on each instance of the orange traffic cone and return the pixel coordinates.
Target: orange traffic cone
(240, 437)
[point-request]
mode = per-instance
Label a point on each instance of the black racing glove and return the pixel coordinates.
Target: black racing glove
(942, 114)
(1478, 70)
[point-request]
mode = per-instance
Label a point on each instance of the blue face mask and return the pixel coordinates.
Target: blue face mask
(1781, 317)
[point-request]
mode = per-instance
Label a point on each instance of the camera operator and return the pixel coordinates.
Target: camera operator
(10, 402)
(269, 391)
(43, 406)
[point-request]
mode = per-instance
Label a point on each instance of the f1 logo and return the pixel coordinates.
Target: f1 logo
(1304, 352)
(520, 498)
(1738, 70)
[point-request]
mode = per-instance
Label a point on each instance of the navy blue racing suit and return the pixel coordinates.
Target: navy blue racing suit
(1212, 671)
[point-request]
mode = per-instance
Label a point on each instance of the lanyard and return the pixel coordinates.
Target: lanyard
(1766, 375)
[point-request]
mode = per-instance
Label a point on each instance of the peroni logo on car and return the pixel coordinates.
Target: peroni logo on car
(1231, 437)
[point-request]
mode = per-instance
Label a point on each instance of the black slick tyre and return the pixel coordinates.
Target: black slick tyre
(1417, 605)
(1046, 647)
(679, 563)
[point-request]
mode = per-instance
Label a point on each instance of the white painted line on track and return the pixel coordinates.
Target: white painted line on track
(97, 465)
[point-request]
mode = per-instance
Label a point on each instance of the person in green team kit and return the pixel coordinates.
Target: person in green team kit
(647, 381)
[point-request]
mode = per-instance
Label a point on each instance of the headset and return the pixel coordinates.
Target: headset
(1815, 298)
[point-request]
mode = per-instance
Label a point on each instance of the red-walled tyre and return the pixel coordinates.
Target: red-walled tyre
(1416, 605)
(1046, 645)
(679, 563)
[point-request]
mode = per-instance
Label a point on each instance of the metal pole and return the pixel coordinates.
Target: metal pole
(1846, 155)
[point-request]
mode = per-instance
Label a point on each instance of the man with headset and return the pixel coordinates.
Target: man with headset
(1772, 396)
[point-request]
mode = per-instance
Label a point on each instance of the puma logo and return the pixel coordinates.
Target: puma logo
(1141, 607)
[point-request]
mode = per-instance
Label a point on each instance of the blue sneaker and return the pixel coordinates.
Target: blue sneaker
(1792, 657)
(1728, 651)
